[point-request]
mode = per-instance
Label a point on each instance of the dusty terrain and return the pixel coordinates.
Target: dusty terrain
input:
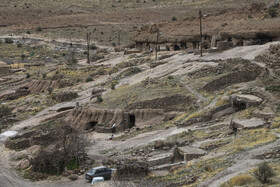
(176, 114)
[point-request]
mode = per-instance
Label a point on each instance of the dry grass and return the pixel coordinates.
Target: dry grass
(221, 101)
(239, 180)
(247, 113)
(195, 168)
(125, 95)
(275, 123)
(194, 115)
(249, 139)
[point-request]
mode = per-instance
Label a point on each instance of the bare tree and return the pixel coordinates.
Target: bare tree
(70, 145)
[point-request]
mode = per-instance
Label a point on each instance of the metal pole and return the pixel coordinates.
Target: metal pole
(200, 15)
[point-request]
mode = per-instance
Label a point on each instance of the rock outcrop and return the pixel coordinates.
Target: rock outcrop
(249, 123)
(36, 86)
(189, 153)
(90, 117)
(4, 69)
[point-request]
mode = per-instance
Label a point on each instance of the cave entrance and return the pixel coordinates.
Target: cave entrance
(264, 38)
(131, 120)
(176, 47)
(238, 106)
(91, 125)
(183, 45)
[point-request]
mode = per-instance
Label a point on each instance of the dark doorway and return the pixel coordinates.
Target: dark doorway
(264, 38)
(183, 45)
(238, 106)
(131, 120)
(91, 125)
(176, 47)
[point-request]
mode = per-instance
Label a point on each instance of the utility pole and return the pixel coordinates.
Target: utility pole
(200, 16)
(157, 43)
(88, 43)
(119, 38)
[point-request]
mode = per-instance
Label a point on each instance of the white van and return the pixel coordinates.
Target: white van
(96, 180)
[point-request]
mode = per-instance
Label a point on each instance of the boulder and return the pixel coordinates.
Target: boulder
(249, 123)
(160, 159)
(23, 164)
(159, 144)
(267, 112)
(73, 177)
(65, 96)
(4, 69)
(248, 100)
(224, 45)
(189, 153)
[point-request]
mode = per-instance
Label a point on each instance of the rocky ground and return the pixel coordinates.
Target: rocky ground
(191, 120)
(200, 134)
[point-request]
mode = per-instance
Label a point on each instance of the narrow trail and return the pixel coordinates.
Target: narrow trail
(200, 98)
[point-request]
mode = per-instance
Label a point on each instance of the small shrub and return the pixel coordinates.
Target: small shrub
(266, 15)
(39, 29)
(113, 44)
(44, 75)
(73, 164)
(174, 18)
(50, 90)
(275, 123)
(273, 12)
(264, 172)
(85, 52)
(4, 110)
(23, 56)
(28, 75)
(19, 45)
(113, 84)
(240, 180)
(9, 40)
(99, 99)
(28, 32)
(170, 77)
(250, 16)
(89, 79)
(208, 168)
(93, 47)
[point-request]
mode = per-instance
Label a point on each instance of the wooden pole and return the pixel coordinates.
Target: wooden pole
(119, 39)
(88, 43)
(157, 43)
(200, 16)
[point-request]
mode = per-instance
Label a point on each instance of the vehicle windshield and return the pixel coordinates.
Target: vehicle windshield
(92, 171)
